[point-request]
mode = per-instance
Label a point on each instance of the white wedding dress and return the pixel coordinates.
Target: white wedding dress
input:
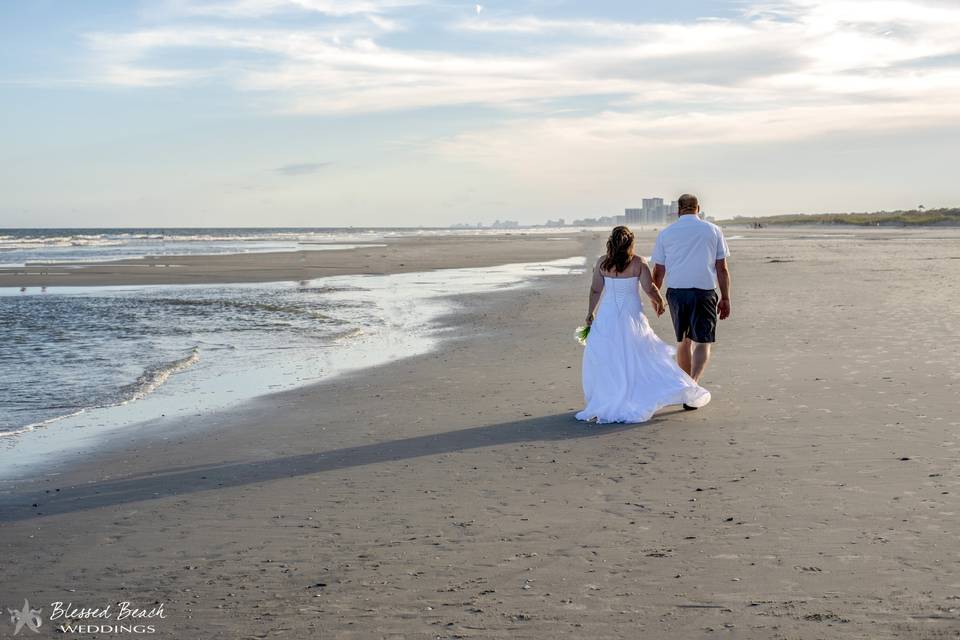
(628, 372)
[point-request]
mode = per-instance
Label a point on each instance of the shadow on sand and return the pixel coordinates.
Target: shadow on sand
(185, 480)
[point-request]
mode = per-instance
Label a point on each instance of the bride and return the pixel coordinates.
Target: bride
(628, 372)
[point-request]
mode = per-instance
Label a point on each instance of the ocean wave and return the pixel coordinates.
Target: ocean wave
(118, 239)
(42, 423)
(148, 382)
(322, 290)
(247, 306)
(351, 334)
(153, 377)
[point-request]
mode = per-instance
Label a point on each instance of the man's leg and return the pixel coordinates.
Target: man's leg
(698, 360)
(685, 355)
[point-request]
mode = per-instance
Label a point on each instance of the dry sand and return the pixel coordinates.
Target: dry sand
(453, 495)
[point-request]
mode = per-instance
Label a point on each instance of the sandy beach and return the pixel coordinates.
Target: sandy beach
(453, 495)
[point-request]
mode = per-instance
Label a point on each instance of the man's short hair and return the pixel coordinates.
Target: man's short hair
(688, 202)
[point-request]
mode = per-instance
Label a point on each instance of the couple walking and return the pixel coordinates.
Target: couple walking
(628, 372)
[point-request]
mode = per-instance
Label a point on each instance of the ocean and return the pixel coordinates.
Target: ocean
(21, 246)
(96, 358)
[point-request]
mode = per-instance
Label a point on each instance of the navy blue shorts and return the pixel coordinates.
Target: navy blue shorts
(694, 313)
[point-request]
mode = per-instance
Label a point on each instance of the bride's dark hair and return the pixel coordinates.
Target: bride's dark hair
(619, 250)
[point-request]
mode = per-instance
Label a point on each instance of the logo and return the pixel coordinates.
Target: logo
(65, 617)
(26, 617)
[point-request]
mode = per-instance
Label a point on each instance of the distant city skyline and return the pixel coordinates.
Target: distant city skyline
(222, 113)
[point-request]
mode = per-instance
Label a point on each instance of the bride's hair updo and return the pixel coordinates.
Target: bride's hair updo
(619, 250)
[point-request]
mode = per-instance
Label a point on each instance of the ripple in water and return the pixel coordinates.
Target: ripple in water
(62, 353)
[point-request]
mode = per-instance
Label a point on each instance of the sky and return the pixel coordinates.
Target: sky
(434, 112)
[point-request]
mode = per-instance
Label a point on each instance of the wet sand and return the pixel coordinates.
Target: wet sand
(453, 495)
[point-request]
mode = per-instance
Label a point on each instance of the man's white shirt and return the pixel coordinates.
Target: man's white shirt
(689, 249)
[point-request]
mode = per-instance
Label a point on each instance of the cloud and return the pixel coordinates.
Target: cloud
(301, 168)
(261, 8)
(782, 69)
(565, 143)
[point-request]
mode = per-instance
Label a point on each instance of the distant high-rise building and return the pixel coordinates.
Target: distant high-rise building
(650, 204)
(664, 214)
(654, 212)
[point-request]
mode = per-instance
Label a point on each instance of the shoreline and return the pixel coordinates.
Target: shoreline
(48, 443)
(454, 493)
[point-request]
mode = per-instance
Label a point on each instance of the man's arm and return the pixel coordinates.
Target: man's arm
(646, 283)
(659, 271)
(659, 259)
(723, 279)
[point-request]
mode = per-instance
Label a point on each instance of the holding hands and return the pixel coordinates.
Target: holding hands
(659, 304)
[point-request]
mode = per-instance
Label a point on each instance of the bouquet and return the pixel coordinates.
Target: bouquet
(581, 334)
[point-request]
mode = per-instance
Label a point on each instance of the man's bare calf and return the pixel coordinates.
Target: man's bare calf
(693, 357)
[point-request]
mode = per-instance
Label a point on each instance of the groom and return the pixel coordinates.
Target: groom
(692, 253)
